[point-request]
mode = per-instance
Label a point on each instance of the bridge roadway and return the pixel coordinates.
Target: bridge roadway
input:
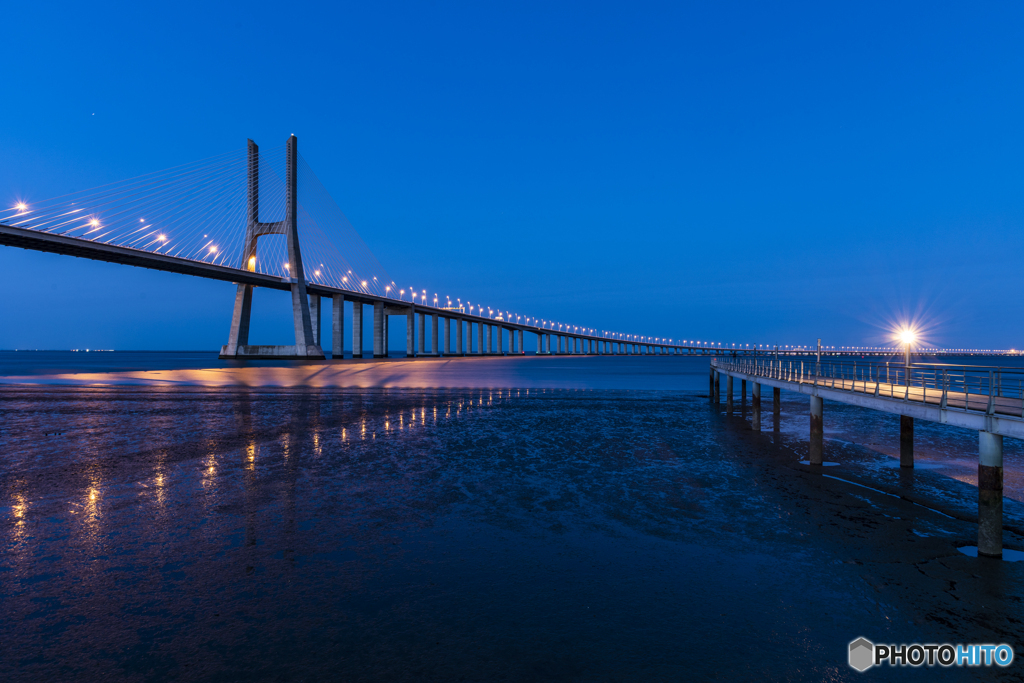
(918, 392)
(71, 246)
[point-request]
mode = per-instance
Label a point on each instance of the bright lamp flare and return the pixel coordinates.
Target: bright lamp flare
(908, 336)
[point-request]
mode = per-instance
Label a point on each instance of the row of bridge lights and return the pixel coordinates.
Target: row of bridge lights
(906, 336)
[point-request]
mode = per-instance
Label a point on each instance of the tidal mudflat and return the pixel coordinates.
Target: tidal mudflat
(178, 531)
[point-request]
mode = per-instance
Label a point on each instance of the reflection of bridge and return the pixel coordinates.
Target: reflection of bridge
(206, 219)
(989, 400)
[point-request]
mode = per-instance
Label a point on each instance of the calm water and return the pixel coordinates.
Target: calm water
(170, 517)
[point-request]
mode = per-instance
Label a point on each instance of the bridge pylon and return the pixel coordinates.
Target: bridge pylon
(238, 339)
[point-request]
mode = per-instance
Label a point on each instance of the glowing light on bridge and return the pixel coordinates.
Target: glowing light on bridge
(907, 336)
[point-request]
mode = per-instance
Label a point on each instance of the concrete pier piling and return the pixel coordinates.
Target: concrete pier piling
(743, 392)
(459, 348)
(755, 400)
(817, 439)
(776, 401)
(718, 387)
(711, 385)
(906, 441)
(728, 393)
(990, 495)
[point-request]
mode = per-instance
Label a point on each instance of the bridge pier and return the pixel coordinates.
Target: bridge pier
(434, 348)
(338, 326)
(410, 332)
(906, 441)
(817, 433)
(378, 330)
(776, 402)
(480, 348)
(743, 392)
(990, 495)
(357, 329)
(422, 347)
(755, 401)
(728, 393)
(522, 349)
(314, 317)
(238, 337)
(718, 387)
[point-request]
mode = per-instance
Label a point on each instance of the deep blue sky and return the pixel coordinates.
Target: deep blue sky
(741, 172)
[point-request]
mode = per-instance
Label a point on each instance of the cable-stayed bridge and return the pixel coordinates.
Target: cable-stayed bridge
(265, 220)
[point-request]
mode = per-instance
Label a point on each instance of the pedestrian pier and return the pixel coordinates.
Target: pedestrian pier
(989, 400)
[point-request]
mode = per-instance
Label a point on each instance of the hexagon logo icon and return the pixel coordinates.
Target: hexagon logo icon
(862, 654)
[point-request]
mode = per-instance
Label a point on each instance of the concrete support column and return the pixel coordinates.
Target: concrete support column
(378, 329)
(357, 329)
(522, 349)
(817, 442)
(743, 391)
(990, 495)
(410, 333)
(711, 384)
(728, 393)
(480, 348)
(547, 343)
(540, 343)
(434, 348)
(489, 338)
(501, 340)
(755, 399)
(718, 387)
(906, 441)
(459, 349)
(314, 317)
(338, 326)
(423, 333)
(776, 401)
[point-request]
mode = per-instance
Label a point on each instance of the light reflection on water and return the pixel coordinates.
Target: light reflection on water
(536, 534)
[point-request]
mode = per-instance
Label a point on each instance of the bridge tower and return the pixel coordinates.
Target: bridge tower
(238, 339)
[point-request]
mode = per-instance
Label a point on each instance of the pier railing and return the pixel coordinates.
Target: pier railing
(975, 388)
